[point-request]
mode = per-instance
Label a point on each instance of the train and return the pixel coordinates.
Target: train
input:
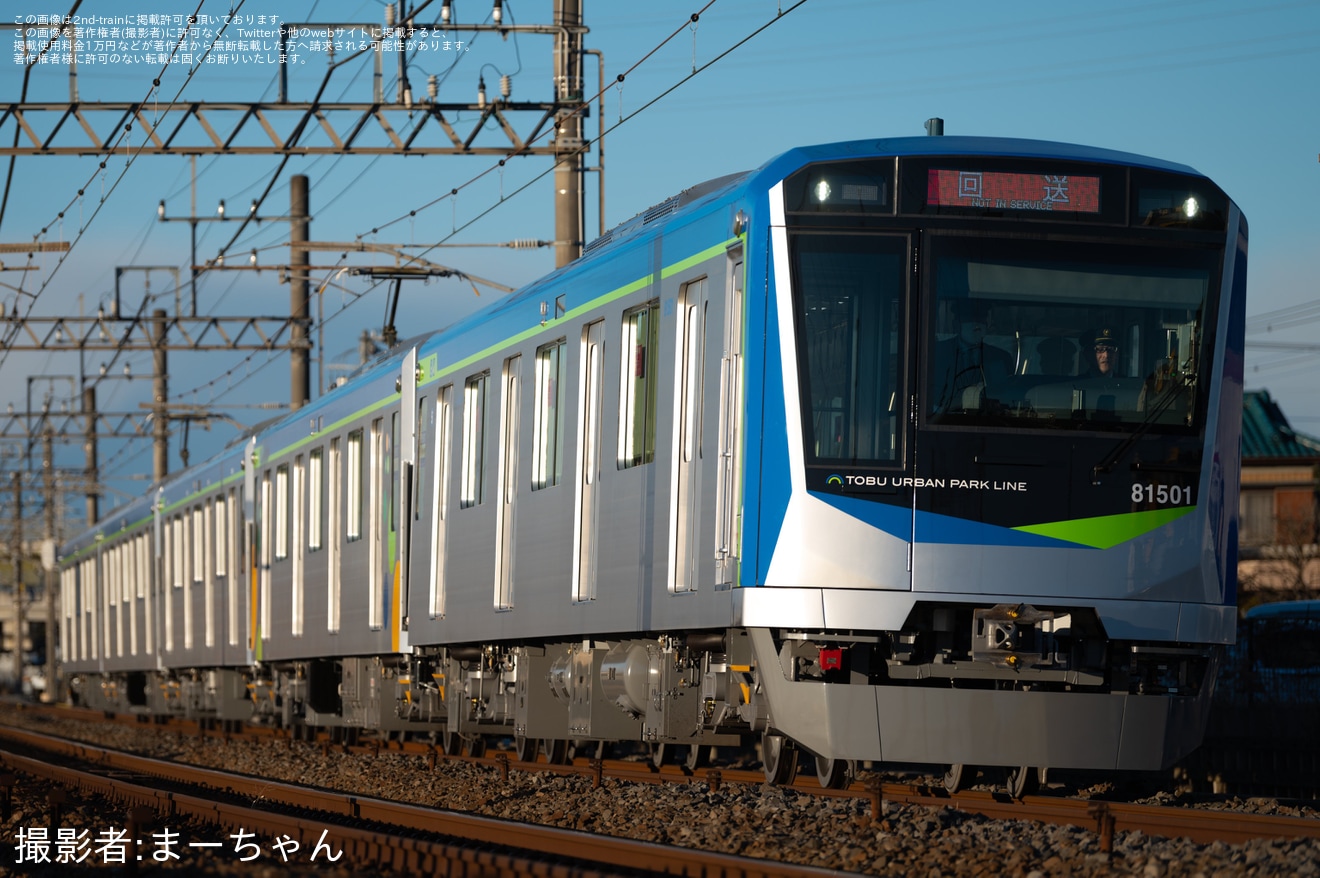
(919, 450)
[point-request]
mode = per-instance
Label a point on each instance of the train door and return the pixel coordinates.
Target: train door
(729, 451)
(186, 532)
(265, 538)
(227, 555)
(298, 547)
(376, 525)
(251, 543)
(685, 519)
(406, 447)
(169, 547)
(444, 414)
(334, 536)
(508, 483)
(586, 512)
(210, 547)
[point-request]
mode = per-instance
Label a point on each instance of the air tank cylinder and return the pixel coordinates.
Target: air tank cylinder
(623, 677)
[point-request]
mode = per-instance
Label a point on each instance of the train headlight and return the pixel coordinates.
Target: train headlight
(1191, 207)
(822, 191)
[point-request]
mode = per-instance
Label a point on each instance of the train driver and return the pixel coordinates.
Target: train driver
(1105, 352)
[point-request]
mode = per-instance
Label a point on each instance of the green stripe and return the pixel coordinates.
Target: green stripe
(708, 253)
(1107, 531)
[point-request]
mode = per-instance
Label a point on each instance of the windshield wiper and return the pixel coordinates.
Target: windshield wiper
(1162, 403)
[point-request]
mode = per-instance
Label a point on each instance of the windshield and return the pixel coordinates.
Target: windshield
(1064, 335)
(851, 338)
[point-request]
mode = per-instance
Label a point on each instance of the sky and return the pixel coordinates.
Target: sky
(1224, 87)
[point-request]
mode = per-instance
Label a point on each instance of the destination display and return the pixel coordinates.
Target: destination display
(995, 190)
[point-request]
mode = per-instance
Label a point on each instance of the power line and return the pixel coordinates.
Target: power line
(586, 145)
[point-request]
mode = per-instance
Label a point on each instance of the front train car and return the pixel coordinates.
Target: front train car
(991, 516)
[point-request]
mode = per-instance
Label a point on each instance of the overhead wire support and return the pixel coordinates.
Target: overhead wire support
(344, 125)
(135, 333)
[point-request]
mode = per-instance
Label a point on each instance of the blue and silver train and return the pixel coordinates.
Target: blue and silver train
(920, 450)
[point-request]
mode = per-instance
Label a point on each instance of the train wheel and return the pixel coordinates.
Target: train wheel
(477, 746)
(834, 774)
(697, 756)
(957, 777)
(779, 759)
(1021, 781)
(661, 753)
(526, 748)
(556, 751)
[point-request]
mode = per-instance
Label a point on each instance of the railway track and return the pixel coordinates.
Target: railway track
(367, 832)
(1105, 818)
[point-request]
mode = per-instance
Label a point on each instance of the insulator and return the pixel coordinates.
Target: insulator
(389, 15)
(525, 244)
(506, 86)
(432, 87)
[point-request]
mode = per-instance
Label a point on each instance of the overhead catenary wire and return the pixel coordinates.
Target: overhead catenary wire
(132, 154)
(246, 361)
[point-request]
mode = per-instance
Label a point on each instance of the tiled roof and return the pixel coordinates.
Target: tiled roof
(1266, 434)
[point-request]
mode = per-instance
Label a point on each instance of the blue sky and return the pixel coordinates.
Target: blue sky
(1223, 87)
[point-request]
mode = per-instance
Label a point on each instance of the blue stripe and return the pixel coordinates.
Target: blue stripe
(933, 528)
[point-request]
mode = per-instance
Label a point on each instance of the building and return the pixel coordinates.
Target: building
(1280, 485)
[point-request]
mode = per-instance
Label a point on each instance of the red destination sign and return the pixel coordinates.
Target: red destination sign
(992, 190)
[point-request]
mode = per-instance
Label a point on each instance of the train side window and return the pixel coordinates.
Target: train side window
(419, 460)
(87, 609)
(206, 550)
(551, 368)
(353, 483)
(111, 577)
(282, 499)
(474, 444)
(146, 570)
(180, 550)
(316, 493)
(199, 546)
(639, 364)
(85, 586)
(221, 539)
(111, 602)
(143, 574)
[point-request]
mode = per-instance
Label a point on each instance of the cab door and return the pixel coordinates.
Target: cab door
(851, 314)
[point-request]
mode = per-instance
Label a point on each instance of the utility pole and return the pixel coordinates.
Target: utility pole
(48, 558)
(568, 132)
(89, 454)
(16, 552)
(300, 390)
(160, 426)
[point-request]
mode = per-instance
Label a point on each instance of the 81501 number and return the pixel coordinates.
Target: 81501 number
(1164, 495)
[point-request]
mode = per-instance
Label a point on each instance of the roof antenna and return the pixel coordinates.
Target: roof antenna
(935, 127)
